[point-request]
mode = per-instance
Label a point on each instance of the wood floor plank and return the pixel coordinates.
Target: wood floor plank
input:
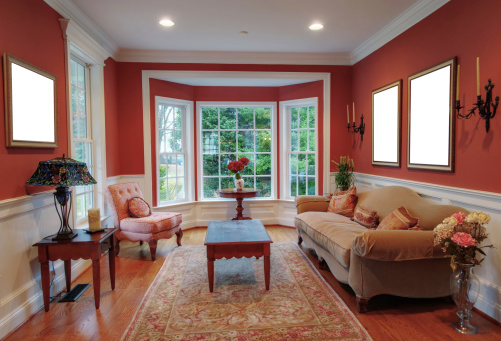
(389, 318)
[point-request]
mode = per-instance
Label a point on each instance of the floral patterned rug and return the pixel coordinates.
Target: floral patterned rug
(300, 305)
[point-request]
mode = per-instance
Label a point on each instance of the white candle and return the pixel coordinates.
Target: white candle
(94, 219)
(348, 113)
(353, 112)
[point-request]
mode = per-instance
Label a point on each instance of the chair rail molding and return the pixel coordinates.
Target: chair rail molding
(489, 273)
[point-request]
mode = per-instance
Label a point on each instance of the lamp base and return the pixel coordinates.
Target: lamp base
(65, 236)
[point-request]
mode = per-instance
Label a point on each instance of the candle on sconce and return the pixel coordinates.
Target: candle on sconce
(457, 84)
(348, 113)
(94, 219)
(478, 76)
(353, 112)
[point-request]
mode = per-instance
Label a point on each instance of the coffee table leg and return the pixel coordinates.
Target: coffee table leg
(210, 266)
(267, 266)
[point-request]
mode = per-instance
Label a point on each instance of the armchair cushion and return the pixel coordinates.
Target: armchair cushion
(139, 208)
(154, 223)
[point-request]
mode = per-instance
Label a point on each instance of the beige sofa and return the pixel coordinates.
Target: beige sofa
(374, 262)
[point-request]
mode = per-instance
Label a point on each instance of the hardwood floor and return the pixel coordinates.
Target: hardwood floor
(388, 318)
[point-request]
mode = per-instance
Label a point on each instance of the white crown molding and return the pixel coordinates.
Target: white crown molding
(407, 19)
(84, 28)
(216, 57)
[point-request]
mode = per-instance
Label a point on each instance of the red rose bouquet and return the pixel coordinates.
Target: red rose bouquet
(236, 166)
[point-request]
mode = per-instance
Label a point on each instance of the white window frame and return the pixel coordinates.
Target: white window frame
(187, 147)
(222, 104)
(88, 139)
(285, 135)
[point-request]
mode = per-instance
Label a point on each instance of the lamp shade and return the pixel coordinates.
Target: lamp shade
(61, 172)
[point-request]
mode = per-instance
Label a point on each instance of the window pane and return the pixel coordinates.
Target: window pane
(263, 141)
(167, 142)
(311, 117)
(211, 187)
(73, 71)
(162, 164)
(178, 119)
(294, 140)
(311, 140)
(294, 118)
(303, 117)
(81, 76)
(228, 141)
(210, 164)
(171, 166)
(227, 182)
(245, 141)
(311, 164)
(181, 193)
(245, 118)
(178, 141)
(263, 164)
(264, 184)
(293, 164)
(302, 164)
(249, 181)
(263, 118)
(180, 165)
(163, 190)
(293, 186)
(224, 160)
(303, 140)
(209, 118)
(228, 118)
(249, 169)
(311, 186)
(210, 143)
(301, 185)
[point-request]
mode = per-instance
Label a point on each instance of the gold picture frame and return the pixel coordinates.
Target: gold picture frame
(386, 124)
(430, 138)
(30, 105)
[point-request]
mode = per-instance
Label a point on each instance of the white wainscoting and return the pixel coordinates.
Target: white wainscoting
(489, 272)
(23, 222)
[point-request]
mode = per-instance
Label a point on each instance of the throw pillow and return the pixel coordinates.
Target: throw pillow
(400, 219)
(330, 195)
(366, 217)
(139, 208)
(344, 204)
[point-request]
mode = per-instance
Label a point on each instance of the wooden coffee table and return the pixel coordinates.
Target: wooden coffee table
(237, 238)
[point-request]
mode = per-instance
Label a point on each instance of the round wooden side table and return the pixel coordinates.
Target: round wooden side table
(239, 195)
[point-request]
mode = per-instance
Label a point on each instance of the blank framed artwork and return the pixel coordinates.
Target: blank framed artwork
(431, 119)
(386, 117)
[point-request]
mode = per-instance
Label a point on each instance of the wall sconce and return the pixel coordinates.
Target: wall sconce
(354, 129)
(484, 107)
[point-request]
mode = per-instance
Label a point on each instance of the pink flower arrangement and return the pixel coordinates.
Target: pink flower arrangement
(236, 166)
(460, 234)
(463, 239)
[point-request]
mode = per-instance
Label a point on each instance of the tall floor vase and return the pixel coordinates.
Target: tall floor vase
(465, 287)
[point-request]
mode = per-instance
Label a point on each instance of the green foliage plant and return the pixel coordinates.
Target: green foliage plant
(344, 177)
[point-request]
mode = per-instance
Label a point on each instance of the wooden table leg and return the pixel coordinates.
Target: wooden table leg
(67, 274)
(111, 260)
(96, 281)
(267, 266)
(44, 269)
(240, 210)
(210, 266)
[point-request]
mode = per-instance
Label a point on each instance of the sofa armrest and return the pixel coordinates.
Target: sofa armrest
(306, 203)
(396, 245)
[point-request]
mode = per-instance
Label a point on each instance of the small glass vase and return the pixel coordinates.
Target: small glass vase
(465, 287)
(239, 182)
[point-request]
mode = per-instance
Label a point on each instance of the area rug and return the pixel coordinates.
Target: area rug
(300, 305)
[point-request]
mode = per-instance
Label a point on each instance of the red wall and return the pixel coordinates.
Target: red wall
(460, 28)
(112, 118)
(34, 36)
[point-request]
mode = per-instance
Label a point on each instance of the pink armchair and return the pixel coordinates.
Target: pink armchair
(149, 229)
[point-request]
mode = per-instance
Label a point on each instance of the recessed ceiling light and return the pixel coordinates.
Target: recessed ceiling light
(243, 33)
(166, 22)
(316, 27)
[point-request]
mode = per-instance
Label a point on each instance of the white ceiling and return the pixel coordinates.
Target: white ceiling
(208, 31)
(214, 25)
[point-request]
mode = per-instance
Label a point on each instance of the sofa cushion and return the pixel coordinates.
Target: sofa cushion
(399, 219)
(366, 217)
(344, 204)
(154, 223)
(333, 232)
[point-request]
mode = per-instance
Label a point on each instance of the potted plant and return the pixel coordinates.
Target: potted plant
(344, 177)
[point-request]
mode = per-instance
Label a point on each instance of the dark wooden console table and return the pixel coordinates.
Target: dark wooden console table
(239, 195)
(84, 245)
